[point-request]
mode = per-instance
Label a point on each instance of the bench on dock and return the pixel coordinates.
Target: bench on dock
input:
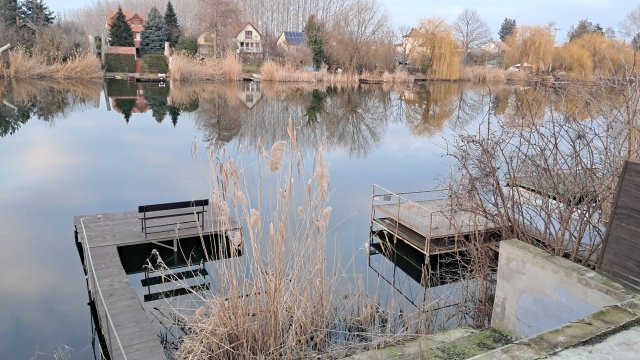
(173, 214)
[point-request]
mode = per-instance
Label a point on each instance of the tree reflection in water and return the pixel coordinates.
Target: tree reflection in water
(23, 100)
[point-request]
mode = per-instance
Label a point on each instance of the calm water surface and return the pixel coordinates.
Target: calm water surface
(71, 149)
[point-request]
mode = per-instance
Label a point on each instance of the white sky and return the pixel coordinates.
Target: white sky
(526, 12)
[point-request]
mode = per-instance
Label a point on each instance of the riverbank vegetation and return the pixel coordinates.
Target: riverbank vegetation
(185, 67)
(23, 65)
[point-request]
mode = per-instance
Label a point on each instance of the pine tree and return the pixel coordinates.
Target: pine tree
(507, 28)
(315, 40)
(120, 33)
(154, 34)
(36, 12)
(8, 11)
(171, 19)
(584, 27)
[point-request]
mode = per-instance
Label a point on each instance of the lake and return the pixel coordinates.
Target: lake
(82, 148)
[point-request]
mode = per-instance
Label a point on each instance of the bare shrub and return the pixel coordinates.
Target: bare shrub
(547, 177)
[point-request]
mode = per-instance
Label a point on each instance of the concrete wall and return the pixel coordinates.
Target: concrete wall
(537, 291)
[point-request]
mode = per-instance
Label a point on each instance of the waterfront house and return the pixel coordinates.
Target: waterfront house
(135, 21)
(248, 41)
(291, 39)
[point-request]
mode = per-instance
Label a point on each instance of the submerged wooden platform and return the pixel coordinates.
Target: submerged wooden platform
(431, 226)
(126, 328)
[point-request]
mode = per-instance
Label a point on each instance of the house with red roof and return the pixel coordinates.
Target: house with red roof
(135, 21)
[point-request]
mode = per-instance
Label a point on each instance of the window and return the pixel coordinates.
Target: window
(248, 34)
(241, 45)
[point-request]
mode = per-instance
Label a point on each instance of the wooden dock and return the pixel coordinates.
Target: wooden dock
(430, 225)
(126, 328)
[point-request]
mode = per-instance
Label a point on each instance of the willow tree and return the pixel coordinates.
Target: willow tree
(575, 60)
(532, 45)
(436, 50)
(594, 55)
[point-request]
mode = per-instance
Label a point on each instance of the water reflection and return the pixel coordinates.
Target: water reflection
(51, 173)
(46, 101)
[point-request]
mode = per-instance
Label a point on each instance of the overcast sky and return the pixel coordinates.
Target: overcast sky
(563, 12)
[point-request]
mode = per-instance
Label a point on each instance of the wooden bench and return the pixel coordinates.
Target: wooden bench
(172, 211)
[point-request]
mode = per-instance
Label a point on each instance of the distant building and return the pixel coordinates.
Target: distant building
(206, 44)
(291, 39)
(494, 47)
(135, 21)
(247, 39)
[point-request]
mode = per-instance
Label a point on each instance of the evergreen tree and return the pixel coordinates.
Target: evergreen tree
(36, 12)
(584, 27)
(171, 19)
(154, 34)
(507, 28)
(315, 40)
(174, 113)
(8, 12)
(120, 33)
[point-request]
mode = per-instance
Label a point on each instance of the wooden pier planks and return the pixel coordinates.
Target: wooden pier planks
(104, 234)
(620, 256)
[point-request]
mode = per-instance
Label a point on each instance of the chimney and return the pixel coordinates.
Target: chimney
(17, 20)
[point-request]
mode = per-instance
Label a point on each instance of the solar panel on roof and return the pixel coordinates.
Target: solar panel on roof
(295, 38)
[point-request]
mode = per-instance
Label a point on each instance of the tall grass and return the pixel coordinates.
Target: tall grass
(282, 301)
(188, 68)
(483, 74)
(272, 71)
(23, 65)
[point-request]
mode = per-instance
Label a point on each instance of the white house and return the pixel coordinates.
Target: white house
(247, 38)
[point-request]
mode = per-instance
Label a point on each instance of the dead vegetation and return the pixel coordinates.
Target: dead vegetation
(546, 172)
(22, 65)
(483, 74)
(189, 68)
(272, 71)
(285, 302)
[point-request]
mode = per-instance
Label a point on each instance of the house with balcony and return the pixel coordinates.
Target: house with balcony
(247, 39)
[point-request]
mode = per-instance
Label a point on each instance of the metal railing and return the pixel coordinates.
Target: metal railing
(109, 332)
(381, 196)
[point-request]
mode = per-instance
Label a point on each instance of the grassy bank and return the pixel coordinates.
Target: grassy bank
(22, 65)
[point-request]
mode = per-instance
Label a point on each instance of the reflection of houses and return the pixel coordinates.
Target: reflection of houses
(127, 98)
(250, 93)
(291, 39)
(248, 40)
(135, 21)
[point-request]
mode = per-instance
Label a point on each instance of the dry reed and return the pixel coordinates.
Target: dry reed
(272, 71)
(22, 65)
(483, 74)
(284, 302)
(188, 68)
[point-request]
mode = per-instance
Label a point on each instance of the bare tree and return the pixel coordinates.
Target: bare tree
(361, 27)
(216, 17)
(470, 30)
(631, 24)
